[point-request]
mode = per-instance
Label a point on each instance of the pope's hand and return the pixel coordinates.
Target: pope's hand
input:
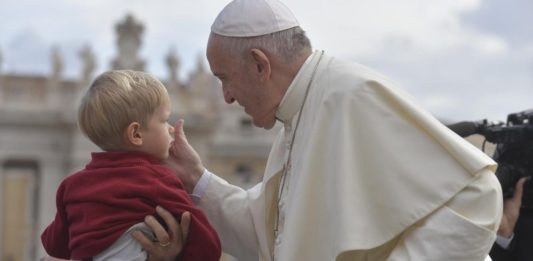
(184, 160)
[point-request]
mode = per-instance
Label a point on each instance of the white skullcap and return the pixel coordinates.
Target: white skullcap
(246, 18)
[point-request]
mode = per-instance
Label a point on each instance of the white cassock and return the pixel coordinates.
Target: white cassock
(372, 176)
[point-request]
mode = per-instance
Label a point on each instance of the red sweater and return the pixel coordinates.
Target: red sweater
(115, 191)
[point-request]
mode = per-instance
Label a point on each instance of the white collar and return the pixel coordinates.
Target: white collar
(295, 94)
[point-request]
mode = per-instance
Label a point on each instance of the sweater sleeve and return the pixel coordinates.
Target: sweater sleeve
(55, 237)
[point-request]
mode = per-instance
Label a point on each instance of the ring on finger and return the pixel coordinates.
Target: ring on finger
(164, 244)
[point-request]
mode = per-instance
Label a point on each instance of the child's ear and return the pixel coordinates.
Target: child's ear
(133, 134)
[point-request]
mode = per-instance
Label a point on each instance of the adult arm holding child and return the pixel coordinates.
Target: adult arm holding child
(169, 243)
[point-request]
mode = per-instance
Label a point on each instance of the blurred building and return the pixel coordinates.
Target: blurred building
(40, 142)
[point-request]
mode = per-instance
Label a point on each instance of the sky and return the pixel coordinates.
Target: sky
(461, 59)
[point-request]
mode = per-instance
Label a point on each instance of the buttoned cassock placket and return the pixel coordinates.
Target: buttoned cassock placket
(283, 188)
(292, 105)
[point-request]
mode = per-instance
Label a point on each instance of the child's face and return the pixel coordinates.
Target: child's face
(158, 136)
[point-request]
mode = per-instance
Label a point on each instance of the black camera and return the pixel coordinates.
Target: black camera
(514, 149)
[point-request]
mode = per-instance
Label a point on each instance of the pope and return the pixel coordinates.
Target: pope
(358, 171)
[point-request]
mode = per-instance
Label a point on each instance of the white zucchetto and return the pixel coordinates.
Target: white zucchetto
(248, 18)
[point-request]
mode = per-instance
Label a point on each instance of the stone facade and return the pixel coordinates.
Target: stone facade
(40, 143)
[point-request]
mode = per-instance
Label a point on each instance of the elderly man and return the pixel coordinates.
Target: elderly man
(357, 172)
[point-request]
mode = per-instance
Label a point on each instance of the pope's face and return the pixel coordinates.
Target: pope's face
(241, 84)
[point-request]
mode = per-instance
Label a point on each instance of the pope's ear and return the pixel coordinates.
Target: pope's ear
(133, 134)
(261, 63)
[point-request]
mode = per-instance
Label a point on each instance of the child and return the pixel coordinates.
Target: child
(125, 113)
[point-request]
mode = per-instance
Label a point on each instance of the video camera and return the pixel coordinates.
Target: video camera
(514, 149)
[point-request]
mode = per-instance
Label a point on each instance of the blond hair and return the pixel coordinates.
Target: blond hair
(116, 99)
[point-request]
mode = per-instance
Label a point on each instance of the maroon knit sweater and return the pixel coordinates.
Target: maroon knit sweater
(115, 191)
